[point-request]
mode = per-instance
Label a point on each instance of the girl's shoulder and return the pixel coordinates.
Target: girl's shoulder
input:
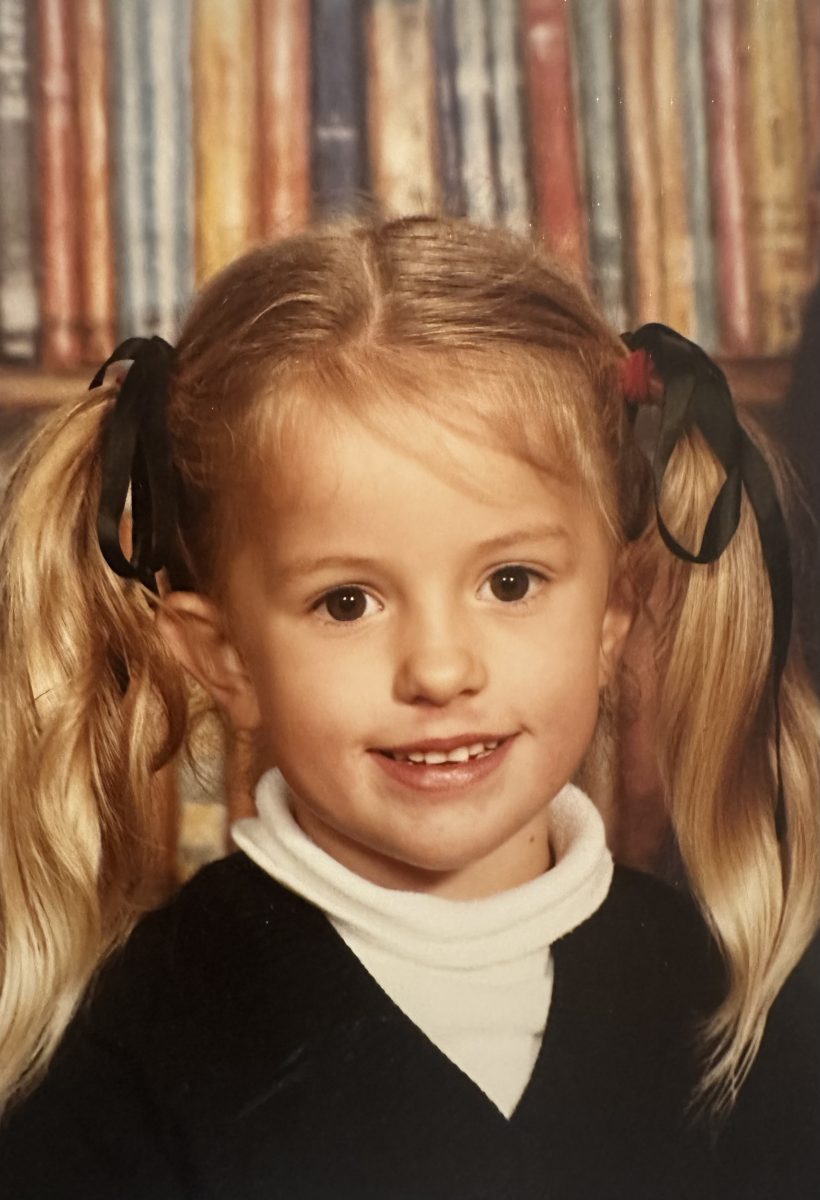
(649, 946)
(229, 921)
(222, 895)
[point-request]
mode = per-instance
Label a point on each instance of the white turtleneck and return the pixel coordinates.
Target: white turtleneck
(474, 975)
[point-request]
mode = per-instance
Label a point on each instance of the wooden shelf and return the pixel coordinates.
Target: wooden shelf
(754, 381)
(23, 387)
(758, 381)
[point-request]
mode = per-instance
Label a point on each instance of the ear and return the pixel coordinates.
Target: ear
(193, 629)
(617, 622)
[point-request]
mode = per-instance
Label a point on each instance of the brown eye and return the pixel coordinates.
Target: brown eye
(510, 583)
(345, 604)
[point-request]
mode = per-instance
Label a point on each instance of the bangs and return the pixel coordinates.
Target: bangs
(538, 407)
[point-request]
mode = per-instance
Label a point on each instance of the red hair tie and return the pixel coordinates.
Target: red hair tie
(636, 377)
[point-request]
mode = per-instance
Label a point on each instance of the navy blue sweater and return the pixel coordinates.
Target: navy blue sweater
(237, 1049)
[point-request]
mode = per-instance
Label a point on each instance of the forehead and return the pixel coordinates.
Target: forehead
(416, 484)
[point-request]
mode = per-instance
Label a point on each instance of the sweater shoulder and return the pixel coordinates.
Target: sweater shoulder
(649, 945)
(650, 897)
(214, 903)
(658, 915)
(201, 940)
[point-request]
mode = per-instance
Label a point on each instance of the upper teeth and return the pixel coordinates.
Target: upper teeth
(434, 757)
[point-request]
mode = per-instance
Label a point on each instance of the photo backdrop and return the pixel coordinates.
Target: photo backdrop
(668, 148)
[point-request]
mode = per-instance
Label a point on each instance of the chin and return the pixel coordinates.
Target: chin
(438, 860)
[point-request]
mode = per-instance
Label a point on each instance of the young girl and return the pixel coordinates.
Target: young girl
(391, 510)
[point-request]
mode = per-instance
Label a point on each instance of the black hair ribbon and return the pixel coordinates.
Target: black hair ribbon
(136, 452)
(697, 394)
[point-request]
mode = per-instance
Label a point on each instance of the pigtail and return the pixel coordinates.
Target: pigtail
(91, 707)
(717, 746)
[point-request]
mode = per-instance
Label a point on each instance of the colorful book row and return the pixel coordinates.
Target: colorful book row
(670, 149)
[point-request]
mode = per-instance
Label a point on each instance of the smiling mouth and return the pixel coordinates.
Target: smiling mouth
(466, 751)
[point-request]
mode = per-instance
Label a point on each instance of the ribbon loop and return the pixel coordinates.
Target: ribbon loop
(136, 453)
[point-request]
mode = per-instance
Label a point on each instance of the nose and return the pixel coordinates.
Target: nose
(439, 658)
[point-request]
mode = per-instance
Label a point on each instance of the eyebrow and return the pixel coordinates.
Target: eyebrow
(308, 566)
(534, 533)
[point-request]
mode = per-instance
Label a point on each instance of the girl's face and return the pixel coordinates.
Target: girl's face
(388, 612)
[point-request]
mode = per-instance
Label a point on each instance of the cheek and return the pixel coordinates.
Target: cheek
(568, 643)
(560, 672)
(313, 693)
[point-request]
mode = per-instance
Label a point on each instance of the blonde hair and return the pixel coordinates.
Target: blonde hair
(363, 317)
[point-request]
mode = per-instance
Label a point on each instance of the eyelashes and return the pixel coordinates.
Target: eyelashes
(513, 585)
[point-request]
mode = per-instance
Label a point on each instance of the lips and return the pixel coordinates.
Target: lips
(443, 745)
(443, 778)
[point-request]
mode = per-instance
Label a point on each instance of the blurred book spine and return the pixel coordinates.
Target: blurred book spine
(554, 129)
(152, 141)
(778, 212)
(725, 123)
(474, 105)
(225, 113)
(694, 105)
(600, 114)
(401, 106)
(450, 150)
(677, 296)
(508, 140)
(339, 152)
(96, 242)
(641, 158)
(58, 171)
(283, 48)
(19, 303)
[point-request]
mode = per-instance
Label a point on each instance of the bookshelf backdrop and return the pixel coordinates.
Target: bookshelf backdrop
(670, 149)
